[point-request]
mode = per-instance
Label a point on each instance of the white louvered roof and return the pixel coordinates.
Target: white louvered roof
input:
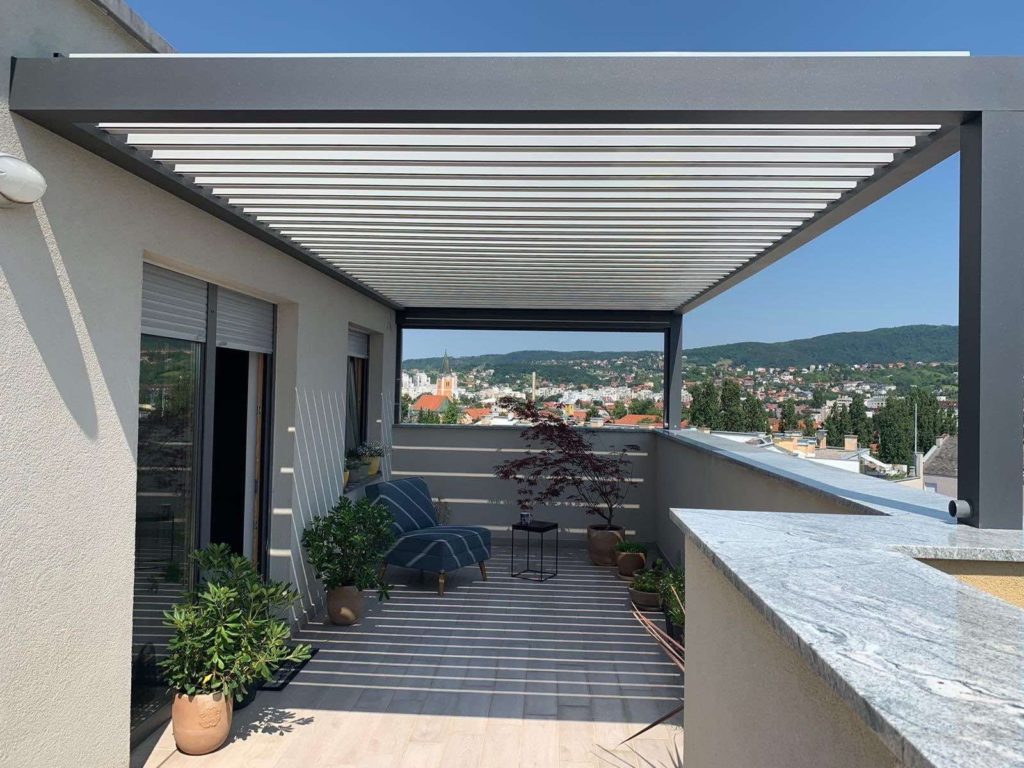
(529, 215)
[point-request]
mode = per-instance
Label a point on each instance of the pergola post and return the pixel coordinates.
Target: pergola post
(398, 369)
(991, 366)
(673, 396)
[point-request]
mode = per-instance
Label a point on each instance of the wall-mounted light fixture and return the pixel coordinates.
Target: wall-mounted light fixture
(20, 183)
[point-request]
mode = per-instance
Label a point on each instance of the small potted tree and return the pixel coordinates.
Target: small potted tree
(225, 641)
(561, 464)
(673, 600)
(356, 466)
(631, 557)
(346, 547)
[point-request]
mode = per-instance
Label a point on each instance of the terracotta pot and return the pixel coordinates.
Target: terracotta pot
(202, 722)
(374, 466)
(630, 562)
(601, 541)
(645, 601)
(344, 605)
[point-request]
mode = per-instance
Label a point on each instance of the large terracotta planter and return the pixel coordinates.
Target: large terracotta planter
(344, 605)
(630, 562)
(601, 542)
(202, 722)
(645, 601)
(374, 466)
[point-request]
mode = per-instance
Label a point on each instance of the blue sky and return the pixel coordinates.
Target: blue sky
(893, 264)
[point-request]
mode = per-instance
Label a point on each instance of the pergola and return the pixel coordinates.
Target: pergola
(601, 192)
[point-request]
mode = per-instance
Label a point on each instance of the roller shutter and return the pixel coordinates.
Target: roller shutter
(244, 322)
(173, 305)
(358, 344)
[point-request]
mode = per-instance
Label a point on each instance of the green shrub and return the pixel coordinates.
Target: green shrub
(647, 579)
(672, 585)
(631, 546)
(347, 545)
(226, 636)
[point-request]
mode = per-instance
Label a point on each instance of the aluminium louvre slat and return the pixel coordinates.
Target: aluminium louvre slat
(596, 172)
(565, 142)
(538, 214)
(516, 185)
(511, 196)
(803, 206)
(506, 221)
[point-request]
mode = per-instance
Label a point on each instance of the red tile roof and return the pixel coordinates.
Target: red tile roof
(429, 403)
(478, 413)
(637, 419)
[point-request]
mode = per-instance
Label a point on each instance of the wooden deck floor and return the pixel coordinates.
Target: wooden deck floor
(503, 673)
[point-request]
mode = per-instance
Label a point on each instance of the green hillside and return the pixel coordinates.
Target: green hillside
(907, 343)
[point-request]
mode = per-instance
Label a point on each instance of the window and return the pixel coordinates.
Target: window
(357, 410)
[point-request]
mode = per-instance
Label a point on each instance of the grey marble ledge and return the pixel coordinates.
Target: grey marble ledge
(933, 666)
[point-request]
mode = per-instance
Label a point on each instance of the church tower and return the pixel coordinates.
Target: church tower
(448, 381)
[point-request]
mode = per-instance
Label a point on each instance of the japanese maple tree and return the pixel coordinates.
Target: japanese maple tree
(561, 465)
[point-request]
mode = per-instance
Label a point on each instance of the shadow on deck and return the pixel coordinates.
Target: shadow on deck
(499, 673)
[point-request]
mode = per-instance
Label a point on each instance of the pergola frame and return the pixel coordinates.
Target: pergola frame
(979, 102)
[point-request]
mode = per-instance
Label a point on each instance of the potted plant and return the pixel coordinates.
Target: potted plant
(371, 454)
(225, 641)
(631, 557)
(352, 464)
(561, 465)
(673, 598)
(645, 589)
(346, 548)
(356, 466)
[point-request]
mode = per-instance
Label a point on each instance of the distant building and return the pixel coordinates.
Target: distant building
(940, 467)
(448, 382)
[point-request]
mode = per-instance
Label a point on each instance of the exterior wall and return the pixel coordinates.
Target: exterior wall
(458, 464)
(944, 486)
(1000, 578)
(70, 298)
(750, 699)
(690, 477)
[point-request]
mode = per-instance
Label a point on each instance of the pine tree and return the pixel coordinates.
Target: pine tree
(810, 426)
(818, 398)
(894, 423)
(732, 418)
(428, 417)
(860, 424)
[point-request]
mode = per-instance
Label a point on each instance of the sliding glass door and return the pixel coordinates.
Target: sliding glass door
(170, 383)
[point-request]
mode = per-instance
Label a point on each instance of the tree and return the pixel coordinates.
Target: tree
(755, 417)
(894, 423)
(619, 410)
(705, 406)
(562, 465)
(731, 417)
(838, 426)
(860, 424)
(450, 414)
(810, 426)
(406, 405)
(788, 421)
(428, 417)
(644, 407)
(818, 398)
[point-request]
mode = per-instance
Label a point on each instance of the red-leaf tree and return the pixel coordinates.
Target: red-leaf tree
(561, 465)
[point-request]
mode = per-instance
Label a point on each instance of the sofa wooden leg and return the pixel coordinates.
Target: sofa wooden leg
(440, 583)
(483, 569)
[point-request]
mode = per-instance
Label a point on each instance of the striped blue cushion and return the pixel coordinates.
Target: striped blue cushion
(444, 548)
(409, 502)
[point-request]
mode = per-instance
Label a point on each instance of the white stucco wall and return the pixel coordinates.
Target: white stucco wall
(70, 280)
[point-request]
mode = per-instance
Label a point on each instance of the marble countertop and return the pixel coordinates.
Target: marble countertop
(935, 667)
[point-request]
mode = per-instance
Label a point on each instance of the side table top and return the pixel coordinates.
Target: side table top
(535, 526)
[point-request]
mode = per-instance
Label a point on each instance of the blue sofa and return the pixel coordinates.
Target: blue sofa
(420, 541)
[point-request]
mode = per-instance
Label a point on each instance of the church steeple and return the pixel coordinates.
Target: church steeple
(446, 365)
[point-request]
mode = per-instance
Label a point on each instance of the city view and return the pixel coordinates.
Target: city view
(868, 402)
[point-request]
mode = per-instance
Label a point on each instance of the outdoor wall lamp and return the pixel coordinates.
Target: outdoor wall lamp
(19, 182)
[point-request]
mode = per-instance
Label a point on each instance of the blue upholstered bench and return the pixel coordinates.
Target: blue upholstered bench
(421, 542)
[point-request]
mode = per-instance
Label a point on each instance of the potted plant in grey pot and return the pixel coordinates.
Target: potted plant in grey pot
(356, 466)
(346, 547)
(562, 465)
(371, 453)
(225, 641)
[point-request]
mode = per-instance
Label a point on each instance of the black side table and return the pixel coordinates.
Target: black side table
(539, 527)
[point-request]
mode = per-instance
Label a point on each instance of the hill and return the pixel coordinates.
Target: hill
(907, 343)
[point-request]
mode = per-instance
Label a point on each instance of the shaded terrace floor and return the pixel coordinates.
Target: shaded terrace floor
(499, 673)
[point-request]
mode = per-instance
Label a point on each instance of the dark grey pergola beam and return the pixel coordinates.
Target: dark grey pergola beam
(455, 318)
(487, 88)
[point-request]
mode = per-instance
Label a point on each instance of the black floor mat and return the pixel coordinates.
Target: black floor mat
(286, 673)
